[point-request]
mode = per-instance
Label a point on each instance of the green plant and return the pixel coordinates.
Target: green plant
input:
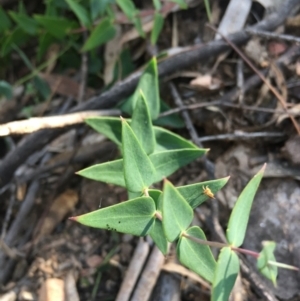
(150, 154)
(62, 23)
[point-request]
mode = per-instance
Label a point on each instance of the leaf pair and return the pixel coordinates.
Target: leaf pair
(228, 263)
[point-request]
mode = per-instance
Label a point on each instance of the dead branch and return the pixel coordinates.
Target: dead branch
(38, 123)
(121, 90)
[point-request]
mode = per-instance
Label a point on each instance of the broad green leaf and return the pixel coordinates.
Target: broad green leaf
(267, 254)
(102, 33)
(156, 196)
(177, 214)
(17, 37)
(42, 87)
(166, 140)
(158, 236)
(133, 195)
(157, 4)
(226, 272)
(138, 169)
(58, 27)
(239, 217)
(128, 8)
(80, 12)
(157, 27)
(169, 161)
(194, 193)
(173, 120)
(148, 83)
(5, 22)
(109, 172)
(134, 217)
(27, 24)
(111, 127)
(141, 125)
(195, 256)
(5, 89)
(98, 8)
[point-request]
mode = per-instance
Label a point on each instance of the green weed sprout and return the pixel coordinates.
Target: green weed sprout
(150, 154)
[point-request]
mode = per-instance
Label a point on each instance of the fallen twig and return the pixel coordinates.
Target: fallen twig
(136, 264)
(272, 35)
(121, 90)
(38, 123)
(262, 77)
(240, 135)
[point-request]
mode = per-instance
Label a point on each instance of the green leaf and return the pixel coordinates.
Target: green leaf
(29, 25)
(138, 169)
(157, 4)
(128, 7)
(157, 27)
(177, 214)
(239, 217)
(141, 125)
(148, 83)
(98, 8)
(5, 89)
(166, 140)
(195, 256)
(102, 33)
(138, 26)
(109, 172)
(42, 87)
(181, 3)
(158, 236)
(134, 217)
(45, 41)
(80, 12)
(5, 22)
(172, 121)
(194, 193)
(267, 254)
(156, 196)
(56, 26)
(111, 127)
(17, 37)
(226, 272)
(169, 161)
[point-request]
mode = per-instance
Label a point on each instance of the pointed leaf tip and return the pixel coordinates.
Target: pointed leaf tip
(73, 218)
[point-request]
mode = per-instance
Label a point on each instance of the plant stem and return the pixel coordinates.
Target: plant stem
(158, 215)
(245, 251)
(283, 265)
(205, 242)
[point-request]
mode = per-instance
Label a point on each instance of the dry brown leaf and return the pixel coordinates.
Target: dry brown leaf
(298, 67)
(235, 17)
(295, 111)
(256, 51)
(112, 51)
(206, 82)
(61, 206)
(172, 267)
(291, 149)
(293, 21)
(276, 48)
(94, 261)
(52, 290)
(52, 52)
(64, 85)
